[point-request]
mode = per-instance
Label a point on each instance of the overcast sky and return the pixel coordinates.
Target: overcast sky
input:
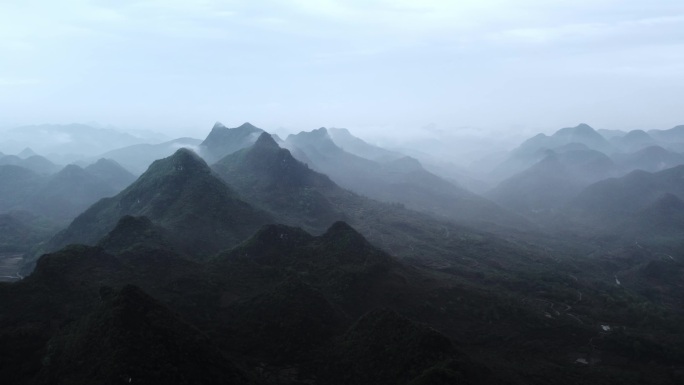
(466, 66)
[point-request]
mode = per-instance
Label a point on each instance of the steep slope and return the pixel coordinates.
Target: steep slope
(222, 140)
(181, 194)
(112, 173)
(138, 157)
(403, 181)
(269, 177)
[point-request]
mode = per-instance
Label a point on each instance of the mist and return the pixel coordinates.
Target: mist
(327, 192)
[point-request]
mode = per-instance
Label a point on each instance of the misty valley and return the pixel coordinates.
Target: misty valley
(322, 258)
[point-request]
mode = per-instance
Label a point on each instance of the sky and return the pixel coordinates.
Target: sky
(378, 67)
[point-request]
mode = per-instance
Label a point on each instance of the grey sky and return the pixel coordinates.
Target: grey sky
(372, 66)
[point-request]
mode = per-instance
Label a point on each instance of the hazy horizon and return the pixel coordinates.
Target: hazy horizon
(381, 69)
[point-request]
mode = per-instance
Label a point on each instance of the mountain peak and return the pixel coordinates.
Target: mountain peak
(218, 125)
(222, 140)
(26, 153)
(248, 126)
(185, 157)
(344, 237)
(322, 131)
(266, 141)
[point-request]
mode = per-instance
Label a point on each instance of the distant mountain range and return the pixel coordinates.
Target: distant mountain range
(324, 259)
(62, 195)
(65, 140)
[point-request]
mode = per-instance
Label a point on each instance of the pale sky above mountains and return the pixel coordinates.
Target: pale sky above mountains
(377, 67)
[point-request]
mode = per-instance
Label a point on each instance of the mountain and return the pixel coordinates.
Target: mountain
(26, 153)
(611, 134)
(35, 163)
(138, 157)
(404, 349)
(69, 192)
(112, 173)
(222, 140)
(59, 197)
(402, 180)
(549, 184)
(651, 159)
(180, 194)
(21, 230)
(131, 338)
(634, 140)
(289, 307)
(534, 149)
(16, 185)
(543, 186)
(66, 139)
(133, 231)
(269, 177)
(610, 203)
(345, 140)
(672, 135)
(663, 218)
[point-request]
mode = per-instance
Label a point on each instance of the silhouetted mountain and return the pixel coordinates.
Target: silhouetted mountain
(69, 192)
(634, 140)
(138, 157)
(35, 163)
(546, 185)
(664, 217)
(345, 140)
(269, 177)
(222, 140)
(651, 159)
(26, 153)
(551, 183)
(181, 194)
(112, 173)
(611, 202)
(130, 338)
(611, 134)
(134, 231)
(17, 184)
(59, 197)
(402, 180)
(672, 135)
(534, 149)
